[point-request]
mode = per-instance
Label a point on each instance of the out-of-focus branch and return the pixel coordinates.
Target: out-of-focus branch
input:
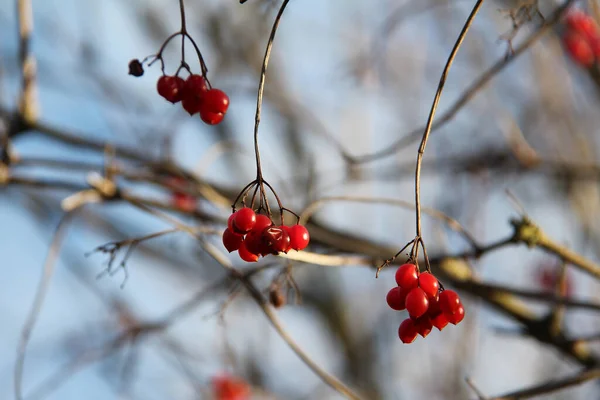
(28, 103)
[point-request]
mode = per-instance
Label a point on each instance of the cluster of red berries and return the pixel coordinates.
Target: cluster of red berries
(582, 38)
(427, 305)
(226, 387)
(195, 96)
(254, 235)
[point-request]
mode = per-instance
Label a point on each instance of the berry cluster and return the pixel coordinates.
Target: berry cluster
(582, 38)
(427, 304)
(195, 96)
(254, 235)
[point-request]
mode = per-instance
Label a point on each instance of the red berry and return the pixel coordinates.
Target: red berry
(276, 239)
(195, 84)
(216, 101)
(170, 87)
(230, 225)
(449, 302)
(244, 220)
(254, 243)
(231, 240)
(262, 221)
(580, 22)
(579, 49)
(407, 331)
(210, 118)
(193, 94)
(407, 276)
(416, 303)
(229, 388)
(299, 237)
(440, 321)
(429, 284)
(458, 316)
(396, 298)
(245, 254)
(184, 201)
(423, 325)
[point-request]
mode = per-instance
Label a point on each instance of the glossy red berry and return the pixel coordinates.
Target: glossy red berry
(299, 237)
(193, 94)
(210, 118)
(440, 321)
(196, 85)
(244, 220)
(170, 87)
(407, 276)
(458, 316)
(396, 298)
(245, 254)
(429, 284)
(407, 331)
(276, 239)
(416, 303)
(262, 221)
(231, 240)
(254, 243)
(449, 302)
(423, 325)
(579, 49)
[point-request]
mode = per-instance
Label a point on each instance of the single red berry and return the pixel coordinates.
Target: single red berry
(407, 331)
(423, 325)
(216, 101)
(184, 201)
(416, 303)
(245, 254)
(191, 103)
(396, 298)
(458, 316)
(276, 238)
(196, 84)
(210, 118)
(407, 276)
(262, 221)
(231, 240)
(440, 321)
(170, 87)
(579, 49)
(449, 302)
(230, 388)
(244, 220)
(230, 225)
(299, 237)
(429, 284)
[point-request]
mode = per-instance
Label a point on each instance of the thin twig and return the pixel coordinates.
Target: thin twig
(38, 302)
(28, 105)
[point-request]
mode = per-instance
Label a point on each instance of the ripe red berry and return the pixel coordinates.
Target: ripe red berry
(244, 220)
(458, 316)
(210, 118)
(449, 302)
(262, 221)
(407, 331)
(299, 237)
(196, 84)
(579, 49)
(423, 325)
(440, 321)
(170, 87)
(429, 284)
(193, 94)
(245, 254)
(276, 239)
(230, 225)
(230, 388)
(407, 276)
(231, 240)
(396, 298)
(254, 243)
(416, 303)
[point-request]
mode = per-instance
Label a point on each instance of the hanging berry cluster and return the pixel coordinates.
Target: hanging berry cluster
(195, 92)
(253, 235)
(582, 38)
(427, 304)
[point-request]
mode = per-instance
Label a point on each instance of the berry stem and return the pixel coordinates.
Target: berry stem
(259, 99)
(434, 107)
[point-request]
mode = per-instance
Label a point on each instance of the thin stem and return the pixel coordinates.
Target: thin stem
(183, 28)
(261, 89)
(28, 105)
(434, 106)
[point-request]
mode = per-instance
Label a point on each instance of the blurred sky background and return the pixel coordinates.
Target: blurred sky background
(365, 87)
